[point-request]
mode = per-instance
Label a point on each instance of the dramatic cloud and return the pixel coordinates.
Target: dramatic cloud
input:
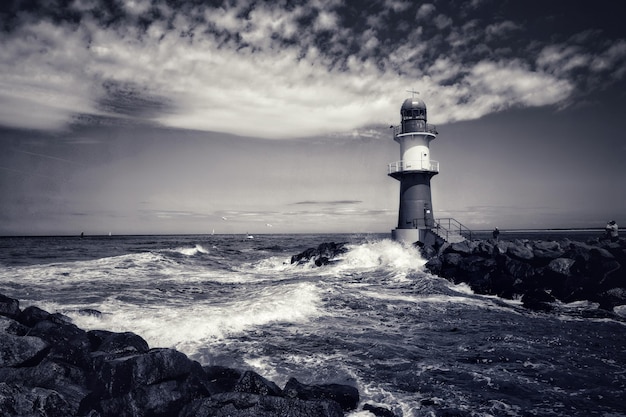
(276, 69)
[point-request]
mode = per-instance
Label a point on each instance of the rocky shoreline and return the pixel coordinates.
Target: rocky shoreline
(539, 272)
(51, 368)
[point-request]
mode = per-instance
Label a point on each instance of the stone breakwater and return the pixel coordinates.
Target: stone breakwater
(51, 368)
(540, 272)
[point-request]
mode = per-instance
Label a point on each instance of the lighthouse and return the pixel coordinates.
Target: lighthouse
(414, 171)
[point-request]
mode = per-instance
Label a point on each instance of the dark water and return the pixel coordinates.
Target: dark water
(408, 340)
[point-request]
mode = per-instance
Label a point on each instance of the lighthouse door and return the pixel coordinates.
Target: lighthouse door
(429, 219)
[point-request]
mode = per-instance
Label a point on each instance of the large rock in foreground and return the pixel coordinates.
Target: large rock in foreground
(539, 272)
(51, 368)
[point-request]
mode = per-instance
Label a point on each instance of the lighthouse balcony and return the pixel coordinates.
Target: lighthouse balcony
(413, 128)
(412, 166)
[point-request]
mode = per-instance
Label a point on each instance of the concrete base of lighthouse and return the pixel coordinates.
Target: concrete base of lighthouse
(412, 236)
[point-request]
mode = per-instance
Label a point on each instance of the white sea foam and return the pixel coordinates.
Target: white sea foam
(620, 310)
(387, 255)
(190, 326)
(191, 251)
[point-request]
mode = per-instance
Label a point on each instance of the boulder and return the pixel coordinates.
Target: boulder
(117, 343)
(68, 343)
(325, 253)
(21, 401)
(345, 395)
(49, 367)
(162, 399)
(538, 299)
(560, 266)
(544, 252)
(9, 307)
(242, 404)
(16, 351)
(501, 247)
(483, 248)
(221, 378)
(520, 252)
(460, 247)
(568, 270)
(118, 376)
(452, 259)
(254, 383)
(68, 381)
(378, 411)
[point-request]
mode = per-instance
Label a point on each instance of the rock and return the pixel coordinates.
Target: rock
(118, 376)
(90, 312)
(324, 254)
(460, 247)
(20, 401)
(254, 383)
(66, 380)
(241, 404)
(9, 307)
(568, 270)
(16, 351)
(117, 343)
(68, 343)
(221, 378)
(345, 395)
(33, 315)
(546, 246)
(161, 399)
(501, 247)
(518, 269)
(452, 259)
(520, 252)
(434, 265)
(483, 248)
(378, 411)
(427, 251)
(51, 368)
(537, 299)
(544, 252)
(612, 298)
(561, 266)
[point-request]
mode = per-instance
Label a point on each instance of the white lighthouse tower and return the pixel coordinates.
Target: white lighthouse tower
(414, 171)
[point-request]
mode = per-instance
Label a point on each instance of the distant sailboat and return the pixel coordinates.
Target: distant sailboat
(213, 232)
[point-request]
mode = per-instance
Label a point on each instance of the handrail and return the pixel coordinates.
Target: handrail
(453, 227)
(427, 128)
(418, 165)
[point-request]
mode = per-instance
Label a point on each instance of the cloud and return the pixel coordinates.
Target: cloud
(501, 29)
(336, 202)
(279, 70)
(425, 10)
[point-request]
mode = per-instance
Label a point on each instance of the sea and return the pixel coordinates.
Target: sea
(410, 341)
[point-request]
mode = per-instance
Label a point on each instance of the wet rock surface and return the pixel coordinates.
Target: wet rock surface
(49, 367)
(323, 254)
(538, 272)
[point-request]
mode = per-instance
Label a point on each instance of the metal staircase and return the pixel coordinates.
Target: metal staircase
(451, 230)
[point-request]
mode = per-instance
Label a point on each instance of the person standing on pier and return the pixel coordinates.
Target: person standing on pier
(612, 231)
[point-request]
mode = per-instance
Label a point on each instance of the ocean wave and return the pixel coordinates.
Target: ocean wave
(393, 258)
(187, 251)
(189, 326)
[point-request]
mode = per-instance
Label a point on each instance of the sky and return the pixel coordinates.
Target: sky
(239, 116)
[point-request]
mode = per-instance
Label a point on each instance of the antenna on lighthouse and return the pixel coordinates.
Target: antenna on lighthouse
(413, 92)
